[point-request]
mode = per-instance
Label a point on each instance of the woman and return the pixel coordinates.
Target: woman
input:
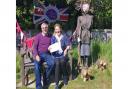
(60, 55)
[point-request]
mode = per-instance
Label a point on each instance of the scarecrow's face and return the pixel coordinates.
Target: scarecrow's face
(85, 7)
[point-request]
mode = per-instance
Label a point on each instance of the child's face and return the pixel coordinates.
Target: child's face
(85, 7)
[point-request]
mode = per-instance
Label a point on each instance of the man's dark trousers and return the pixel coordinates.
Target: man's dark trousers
(45, 57)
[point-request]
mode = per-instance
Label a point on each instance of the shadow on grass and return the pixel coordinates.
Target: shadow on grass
(95, 50)
(73, 71)
(31, 82)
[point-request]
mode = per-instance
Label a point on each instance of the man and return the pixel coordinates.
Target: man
(41, 54)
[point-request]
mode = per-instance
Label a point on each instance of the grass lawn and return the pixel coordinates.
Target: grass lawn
(101, 80)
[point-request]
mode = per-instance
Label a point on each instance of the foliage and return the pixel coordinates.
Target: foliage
(24, 12)
(101, 49)
(102, 13)
(102, 79)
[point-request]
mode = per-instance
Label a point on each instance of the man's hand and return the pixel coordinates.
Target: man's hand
(37, 58)
(49, 48)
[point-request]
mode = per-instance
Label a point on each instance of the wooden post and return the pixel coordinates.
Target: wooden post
(70, 60)
(79, 57)
(22, 67)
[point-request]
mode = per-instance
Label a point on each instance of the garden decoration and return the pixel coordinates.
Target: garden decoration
(83, 33)
(48, 13)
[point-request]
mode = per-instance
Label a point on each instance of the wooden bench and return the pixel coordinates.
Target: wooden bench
(28, 64)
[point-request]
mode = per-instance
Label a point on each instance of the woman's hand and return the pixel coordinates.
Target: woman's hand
(78, 39)
(66, 50)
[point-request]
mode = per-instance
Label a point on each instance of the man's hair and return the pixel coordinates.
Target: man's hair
(43, 23)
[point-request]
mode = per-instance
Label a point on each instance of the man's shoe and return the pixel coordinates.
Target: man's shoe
(46, 82)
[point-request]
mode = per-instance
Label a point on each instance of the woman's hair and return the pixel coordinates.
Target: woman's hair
(58, 25)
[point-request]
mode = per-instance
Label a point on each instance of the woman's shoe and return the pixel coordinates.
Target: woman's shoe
(65, 80)
(56, 87)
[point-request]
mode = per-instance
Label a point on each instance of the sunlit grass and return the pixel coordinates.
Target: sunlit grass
(102, 79)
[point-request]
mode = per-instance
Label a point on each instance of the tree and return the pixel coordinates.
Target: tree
(24, 10)
(102, 13)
